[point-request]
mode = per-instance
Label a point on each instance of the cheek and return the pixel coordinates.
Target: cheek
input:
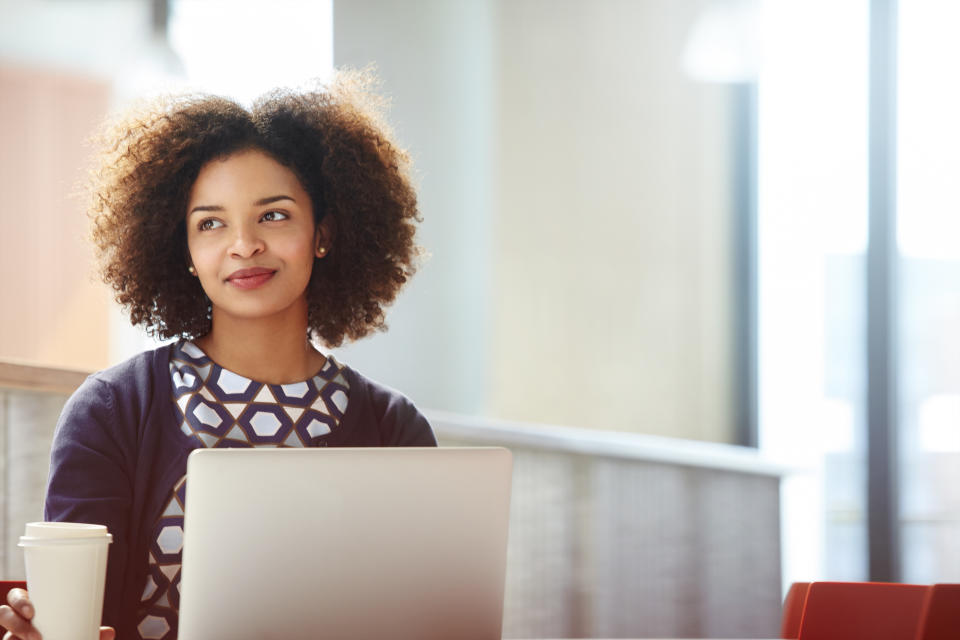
(194, 250)
(203, 260)
(300, 251)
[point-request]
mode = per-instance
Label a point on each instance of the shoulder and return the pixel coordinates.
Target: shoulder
(122, 391)
(137, 371)
(401, 423)
(382, 396)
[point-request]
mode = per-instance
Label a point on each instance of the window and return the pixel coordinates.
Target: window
(812, 234)
(929, 291)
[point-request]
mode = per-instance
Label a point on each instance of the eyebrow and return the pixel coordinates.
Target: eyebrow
(258, 203)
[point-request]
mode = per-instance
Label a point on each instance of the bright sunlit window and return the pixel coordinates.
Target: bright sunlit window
(242, 48)
(928, 104)
(812, 231)
(812, 207)
(929, 290)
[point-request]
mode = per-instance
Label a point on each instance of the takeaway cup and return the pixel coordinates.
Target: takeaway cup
(66, 565)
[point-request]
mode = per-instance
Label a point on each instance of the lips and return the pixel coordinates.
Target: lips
(250, 278)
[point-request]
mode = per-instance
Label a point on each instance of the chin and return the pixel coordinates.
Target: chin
(258, 311)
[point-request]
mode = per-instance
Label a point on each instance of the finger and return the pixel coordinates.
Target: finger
(107, 633)
(9, 618)
(17, 626)
(20, 601)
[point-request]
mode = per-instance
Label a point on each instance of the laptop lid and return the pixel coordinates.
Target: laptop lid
(400, 543)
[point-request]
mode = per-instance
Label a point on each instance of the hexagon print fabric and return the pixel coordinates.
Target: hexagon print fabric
(219, 408)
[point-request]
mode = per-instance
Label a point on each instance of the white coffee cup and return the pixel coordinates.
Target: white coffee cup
(66, 565)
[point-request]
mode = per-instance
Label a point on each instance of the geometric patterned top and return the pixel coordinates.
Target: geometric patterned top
(218, 408)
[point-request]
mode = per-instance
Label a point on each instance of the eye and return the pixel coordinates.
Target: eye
(273, 216)
(208, 224)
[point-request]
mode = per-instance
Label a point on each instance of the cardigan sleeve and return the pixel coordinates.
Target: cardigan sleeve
(91, 478)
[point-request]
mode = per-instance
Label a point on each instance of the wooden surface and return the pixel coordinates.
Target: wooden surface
(18, 375)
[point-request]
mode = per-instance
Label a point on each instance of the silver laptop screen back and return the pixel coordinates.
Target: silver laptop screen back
(400, 543)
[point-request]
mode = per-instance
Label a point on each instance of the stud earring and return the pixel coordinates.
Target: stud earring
(321, 251)
(192, 271)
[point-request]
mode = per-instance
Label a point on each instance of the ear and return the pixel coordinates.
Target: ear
(323, 238)
(188, 259)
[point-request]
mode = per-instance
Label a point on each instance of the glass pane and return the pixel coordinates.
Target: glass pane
(812, 212)
(929, 305)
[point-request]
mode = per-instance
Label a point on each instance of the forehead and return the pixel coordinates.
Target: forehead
(247, 175)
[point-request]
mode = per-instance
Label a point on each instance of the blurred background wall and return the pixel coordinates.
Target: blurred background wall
(577, 200)
(53, 311)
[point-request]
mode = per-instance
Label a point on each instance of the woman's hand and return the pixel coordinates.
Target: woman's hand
(15, 616)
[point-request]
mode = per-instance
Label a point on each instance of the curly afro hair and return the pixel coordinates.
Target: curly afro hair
(333, 139)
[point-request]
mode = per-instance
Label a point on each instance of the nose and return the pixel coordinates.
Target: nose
(246, 242)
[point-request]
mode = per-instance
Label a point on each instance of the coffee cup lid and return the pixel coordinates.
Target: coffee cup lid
(64, 532)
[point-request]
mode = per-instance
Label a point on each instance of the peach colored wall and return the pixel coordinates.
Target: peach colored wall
(53, 310)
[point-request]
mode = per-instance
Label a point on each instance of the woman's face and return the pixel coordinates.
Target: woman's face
(252, 237)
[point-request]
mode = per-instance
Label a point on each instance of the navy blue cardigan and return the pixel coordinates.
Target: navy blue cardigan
(118, 449)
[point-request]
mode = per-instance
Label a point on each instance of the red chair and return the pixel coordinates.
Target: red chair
(862, 611)
(941, 613)
(5, 586)
(793, 609)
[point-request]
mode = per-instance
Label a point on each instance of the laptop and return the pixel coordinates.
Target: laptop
(349, 544)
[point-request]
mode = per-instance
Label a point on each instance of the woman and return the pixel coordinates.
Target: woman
(243, 234)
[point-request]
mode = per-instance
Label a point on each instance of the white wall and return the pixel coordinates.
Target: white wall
(612, 227)
(87, 36)
(434, 58)
(576, 192)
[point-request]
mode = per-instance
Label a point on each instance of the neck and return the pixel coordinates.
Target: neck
(270, 350)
